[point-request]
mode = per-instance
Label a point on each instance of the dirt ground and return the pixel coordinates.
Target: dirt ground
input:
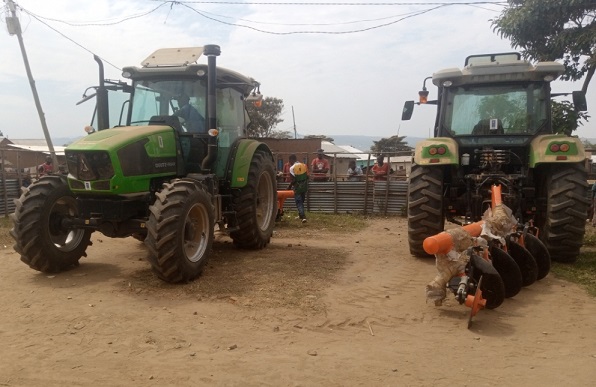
(315, 308)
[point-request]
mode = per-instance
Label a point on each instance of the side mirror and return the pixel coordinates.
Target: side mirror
(579, 101)
(256, 99)
(406, 114)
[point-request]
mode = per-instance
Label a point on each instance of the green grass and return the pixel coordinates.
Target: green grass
(321, 221)
(5, 226)
(582, 272)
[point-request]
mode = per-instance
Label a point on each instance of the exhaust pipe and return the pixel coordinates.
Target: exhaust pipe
(212, 52)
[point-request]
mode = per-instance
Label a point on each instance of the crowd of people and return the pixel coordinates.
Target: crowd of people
(297, 174)
(320, 169)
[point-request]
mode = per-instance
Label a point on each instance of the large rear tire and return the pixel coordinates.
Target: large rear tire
(180, 231)
(255, 205)
(563, 224)
(40, 228)
(425, 207)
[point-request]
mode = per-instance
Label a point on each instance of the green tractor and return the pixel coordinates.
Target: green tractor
(493, 127)
(168, 165)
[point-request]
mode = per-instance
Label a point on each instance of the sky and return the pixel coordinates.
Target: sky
(350, 73)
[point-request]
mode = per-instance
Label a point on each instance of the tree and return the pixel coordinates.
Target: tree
(565, 119)
(546, 30)
(281, 134)
(503, 106)
(390, 145)
(264, 119)
(319, 137)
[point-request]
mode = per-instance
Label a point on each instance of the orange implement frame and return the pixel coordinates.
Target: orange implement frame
(442, 242)
(282, 196)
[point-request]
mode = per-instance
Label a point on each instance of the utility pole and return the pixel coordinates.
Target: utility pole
(14, 28)
(294, 119)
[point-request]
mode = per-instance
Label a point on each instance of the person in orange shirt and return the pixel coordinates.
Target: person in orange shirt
(380, 170)
(286, 171)
(46, 168)
(320, 167)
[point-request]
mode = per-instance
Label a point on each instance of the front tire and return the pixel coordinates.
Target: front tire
(255, 205)
(425, 207)
(564, 222)
(40, 227)
(180, 231)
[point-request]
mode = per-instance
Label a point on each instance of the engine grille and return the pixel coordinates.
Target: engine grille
(89, 166)
(492, 159)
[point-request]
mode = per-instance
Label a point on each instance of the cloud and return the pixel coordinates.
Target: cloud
(337, 83)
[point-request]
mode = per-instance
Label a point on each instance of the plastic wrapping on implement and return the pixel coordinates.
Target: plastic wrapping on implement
(445, 241)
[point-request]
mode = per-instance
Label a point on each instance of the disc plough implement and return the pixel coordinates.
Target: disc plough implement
(485, 262)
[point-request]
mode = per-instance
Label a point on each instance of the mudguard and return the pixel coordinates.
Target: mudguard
(437, 151)
(241, 160)
(556, 148)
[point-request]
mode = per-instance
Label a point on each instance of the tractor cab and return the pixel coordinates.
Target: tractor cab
(171, 89)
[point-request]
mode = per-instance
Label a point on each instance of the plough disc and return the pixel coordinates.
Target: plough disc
(508, 270)
(493, 288)
(525, 260)
(540, 254)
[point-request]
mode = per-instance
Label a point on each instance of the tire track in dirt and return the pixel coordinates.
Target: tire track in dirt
(379, 273)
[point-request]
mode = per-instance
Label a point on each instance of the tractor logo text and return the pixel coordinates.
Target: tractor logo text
(165, 164)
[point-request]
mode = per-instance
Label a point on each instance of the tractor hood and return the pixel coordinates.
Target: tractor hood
(122, 160)
(114, 138)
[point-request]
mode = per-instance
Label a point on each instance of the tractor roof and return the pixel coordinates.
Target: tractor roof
(180, 62)
(497, 68)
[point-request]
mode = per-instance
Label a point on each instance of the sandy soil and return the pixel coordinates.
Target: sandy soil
(313, 309)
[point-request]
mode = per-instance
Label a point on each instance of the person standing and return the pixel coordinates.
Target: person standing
(286, 171)
(320, 167)
(380, 169)
(354, 171)
(299, 184)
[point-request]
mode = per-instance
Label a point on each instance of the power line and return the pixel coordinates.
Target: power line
(340, 3)
(308, 24)
(313, 32)
(205, 14)
(68, 38)
(98, 23)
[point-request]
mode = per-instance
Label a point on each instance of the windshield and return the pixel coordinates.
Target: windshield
(516, 109)
(185, 98)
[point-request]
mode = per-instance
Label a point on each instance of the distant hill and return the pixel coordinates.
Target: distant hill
(64, 141)
(360, 142)
(365, 142)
